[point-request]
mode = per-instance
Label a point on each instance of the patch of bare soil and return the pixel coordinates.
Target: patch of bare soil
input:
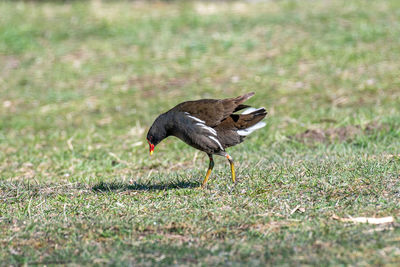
(341, 134)
(9, 63)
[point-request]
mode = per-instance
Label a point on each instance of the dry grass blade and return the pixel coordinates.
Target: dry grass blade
(370, 220)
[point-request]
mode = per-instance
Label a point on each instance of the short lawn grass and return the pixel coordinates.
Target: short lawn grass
(82, 81)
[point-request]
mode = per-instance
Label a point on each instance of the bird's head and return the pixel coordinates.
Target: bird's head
(156, 134)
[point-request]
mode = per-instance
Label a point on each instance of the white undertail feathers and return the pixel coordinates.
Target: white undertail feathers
(247, 131)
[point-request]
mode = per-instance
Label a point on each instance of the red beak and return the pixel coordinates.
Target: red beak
(151, 147)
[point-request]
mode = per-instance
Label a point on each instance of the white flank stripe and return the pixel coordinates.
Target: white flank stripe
(251, 129)
(211, 130)
(196, 119)
(250, 110)
(216, 141)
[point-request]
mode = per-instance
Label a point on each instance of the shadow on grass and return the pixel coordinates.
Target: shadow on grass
(115, 186)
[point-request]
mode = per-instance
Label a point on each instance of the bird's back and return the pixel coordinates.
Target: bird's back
(212, 125)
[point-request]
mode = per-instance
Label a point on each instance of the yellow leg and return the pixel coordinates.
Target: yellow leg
(232, 168)
(210, 167)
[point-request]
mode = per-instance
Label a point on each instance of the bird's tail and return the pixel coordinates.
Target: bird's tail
(250, 120)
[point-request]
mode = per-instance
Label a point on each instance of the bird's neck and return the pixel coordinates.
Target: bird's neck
(166, 123)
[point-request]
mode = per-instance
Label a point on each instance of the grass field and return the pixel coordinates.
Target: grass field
(81, 82)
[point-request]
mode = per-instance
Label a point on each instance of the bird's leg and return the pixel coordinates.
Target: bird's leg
(210, 167)
(232, 168)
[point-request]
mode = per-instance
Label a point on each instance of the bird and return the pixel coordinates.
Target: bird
(209, 125)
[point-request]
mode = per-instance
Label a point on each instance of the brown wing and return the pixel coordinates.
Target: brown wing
(213, 111)
(228, 130)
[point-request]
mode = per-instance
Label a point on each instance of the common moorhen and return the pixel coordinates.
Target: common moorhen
(210, 125)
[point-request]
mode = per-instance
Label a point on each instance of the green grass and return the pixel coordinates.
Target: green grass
(81, 82)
